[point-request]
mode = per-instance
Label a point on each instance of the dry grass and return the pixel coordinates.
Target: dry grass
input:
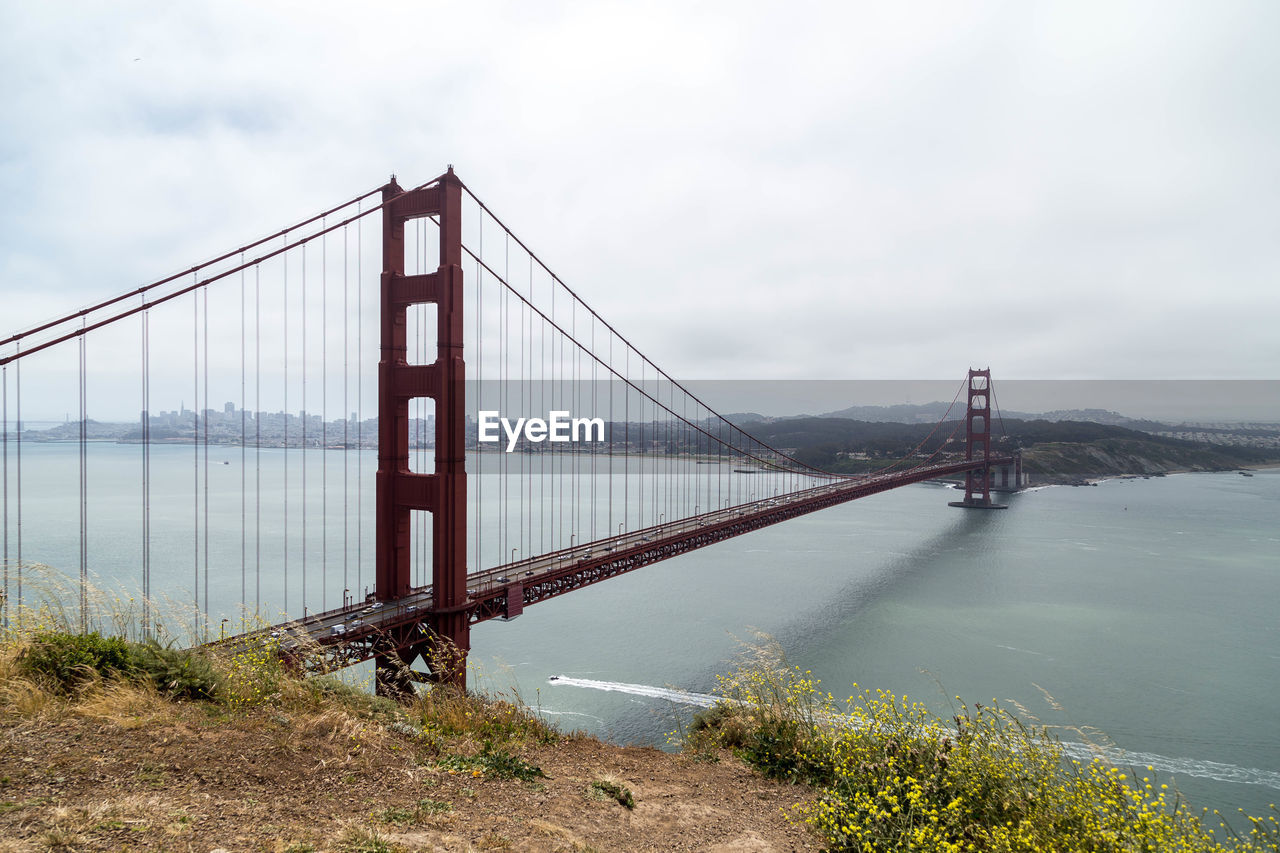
(275, 762)
(131, 706)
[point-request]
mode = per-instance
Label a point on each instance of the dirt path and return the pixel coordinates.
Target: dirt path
(181, 779)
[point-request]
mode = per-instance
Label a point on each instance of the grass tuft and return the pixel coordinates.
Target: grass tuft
(493, 764)
(362, 840)
(445, 714)
(612, 790)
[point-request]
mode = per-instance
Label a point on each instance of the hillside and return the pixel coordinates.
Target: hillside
(107, 744)
(141, 778)
(1063, 462)
(1053, 451)
(315, 766)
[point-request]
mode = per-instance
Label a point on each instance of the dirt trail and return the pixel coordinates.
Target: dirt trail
(185, 780)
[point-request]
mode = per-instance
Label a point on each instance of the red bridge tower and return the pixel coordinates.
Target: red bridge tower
(977, 482)
(447, 638)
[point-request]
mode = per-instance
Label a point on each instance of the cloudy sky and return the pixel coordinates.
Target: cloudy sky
(747, 190)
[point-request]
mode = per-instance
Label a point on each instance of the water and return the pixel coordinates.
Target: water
(1144, 608)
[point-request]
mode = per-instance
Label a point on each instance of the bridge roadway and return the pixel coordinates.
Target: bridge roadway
(350, 634)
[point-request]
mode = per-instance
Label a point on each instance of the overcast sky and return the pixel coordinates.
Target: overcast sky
(746, 190)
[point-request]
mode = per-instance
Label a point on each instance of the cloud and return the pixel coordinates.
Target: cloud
(745, 190)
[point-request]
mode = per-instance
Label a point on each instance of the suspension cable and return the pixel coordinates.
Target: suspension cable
(607, 325)
(196, 282)
(645, 394)
(14, 338)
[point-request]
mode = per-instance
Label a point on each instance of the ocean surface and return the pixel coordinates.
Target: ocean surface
(1142, 612)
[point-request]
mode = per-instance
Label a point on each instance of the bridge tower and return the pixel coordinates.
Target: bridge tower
(977, 483)
(399, 491)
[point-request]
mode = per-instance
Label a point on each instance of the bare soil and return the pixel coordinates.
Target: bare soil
(158, 776)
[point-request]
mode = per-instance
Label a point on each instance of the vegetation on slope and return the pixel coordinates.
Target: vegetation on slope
(892, 776)
(111, 744)
(1055, 451)
(1060, 461)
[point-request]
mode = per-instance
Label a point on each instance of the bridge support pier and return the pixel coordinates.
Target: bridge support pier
(1008, 478)
(394, 675)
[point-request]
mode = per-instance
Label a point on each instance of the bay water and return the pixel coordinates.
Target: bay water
(1139, 615)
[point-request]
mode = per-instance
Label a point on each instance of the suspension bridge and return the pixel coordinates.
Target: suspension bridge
(612, 464)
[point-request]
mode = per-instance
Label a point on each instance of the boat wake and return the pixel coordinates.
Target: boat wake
(681, 697)
(1081, 751)
(1178, 766)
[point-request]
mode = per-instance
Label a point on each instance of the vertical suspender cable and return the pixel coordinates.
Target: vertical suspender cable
(244, 474)
(557, 350)
(673, 442)
(84, 494)
(524, 412)
(17, 379)
(542, 457)
(503, 306)
(4, 481)
(146, 474)
(304, 414)
(720, 473)
(626, 438)
(594, 375)
(257, 442)
(346, 412)
(557, 491)
(665, 459)
(195, 457)
(641, 449)
(359, 396)
(284, 324)
(479, 374)
(324, 419)
(612, 382)
(205, 420)
(574, 405)
(529, 480)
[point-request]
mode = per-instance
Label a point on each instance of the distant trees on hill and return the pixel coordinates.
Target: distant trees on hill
(841, 444)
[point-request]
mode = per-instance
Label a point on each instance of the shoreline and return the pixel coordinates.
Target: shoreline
(1107, 478)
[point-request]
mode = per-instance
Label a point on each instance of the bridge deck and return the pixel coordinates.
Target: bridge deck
(350, 634)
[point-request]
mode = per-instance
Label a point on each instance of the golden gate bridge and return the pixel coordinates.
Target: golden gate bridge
(471, 323)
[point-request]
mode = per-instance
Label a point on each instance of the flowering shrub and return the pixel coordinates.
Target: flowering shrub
(893, 776)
